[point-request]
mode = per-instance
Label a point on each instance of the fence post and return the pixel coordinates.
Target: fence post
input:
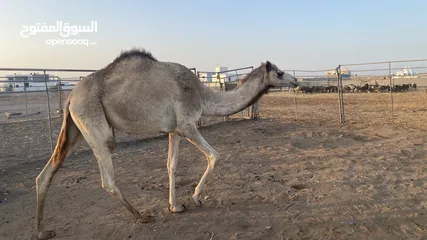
(60, 98)
(391, 93)
(340, 95)
(249, 108)
(295, 101)
(342, 98)
(48, 112)
(26, 101)
(199, 123)
(224, 89)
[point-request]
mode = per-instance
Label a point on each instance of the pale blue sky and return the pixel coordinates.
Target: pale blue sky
(204, 34)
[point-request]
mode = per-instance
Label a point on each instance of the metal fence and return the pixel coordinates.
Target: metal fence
(383, 78)
(34, 94)
(393, 78)
(33, 86)
(311, 81)
(41, 93)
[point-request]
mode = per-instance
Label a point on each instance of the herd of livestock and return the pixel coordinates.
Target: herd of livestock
(351, 88)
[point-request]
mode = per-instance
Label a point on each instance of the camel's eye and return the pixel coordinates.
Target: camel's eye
(280, 73)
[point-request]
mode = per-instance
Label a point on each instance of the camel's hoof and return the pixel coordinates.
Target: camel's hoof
(145, 219)
(178, 209)
(196, 201)
(46, 235)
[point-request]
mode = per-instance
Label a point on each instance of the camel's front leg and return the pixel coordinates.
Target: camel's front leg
(193, 135)
(172, 165)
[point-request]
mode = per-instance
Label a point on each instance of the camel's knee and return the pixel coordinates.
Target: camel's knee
(213, 159)
(45, 177)
(38, 183)
(171, 169)
(172, 166)
(39, 180)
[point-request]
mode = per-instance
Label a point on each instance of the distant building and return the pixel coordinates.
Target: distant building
(221, 69)
(407, 71)
(220, 74)
(28, 82)
(345, 72)
(206, 76)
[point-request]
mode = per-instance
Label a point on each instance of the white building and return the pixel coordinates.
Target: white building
(407, 71)
(213, 79)
(27, 82)
(344, 72)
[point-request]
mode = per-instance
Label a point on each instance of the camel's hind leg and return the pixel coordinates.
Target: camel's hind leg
(68, 140)
(99, 135)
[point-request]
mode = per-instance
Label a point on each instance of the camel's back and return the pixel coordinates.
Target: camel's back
(140, 92)
(150, 80)
(139, 70)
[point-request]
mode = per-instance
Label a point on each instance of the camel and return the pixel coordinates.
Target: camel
(136, 94)
(241, 81)
(253, 110)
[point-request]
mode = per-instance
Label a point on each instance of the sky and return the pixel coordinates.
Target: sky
(310, 35)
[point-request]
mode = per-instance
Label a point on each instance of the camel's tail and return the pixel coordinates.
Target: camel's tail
(68, 137)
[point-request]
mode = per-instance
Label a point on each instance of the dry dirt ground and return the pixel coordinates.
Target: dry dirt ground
(33, 106)
(277, 179)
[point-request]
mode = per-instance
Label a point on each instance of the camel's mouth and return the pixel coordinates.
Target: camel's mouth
(290, 81)
(294, 85)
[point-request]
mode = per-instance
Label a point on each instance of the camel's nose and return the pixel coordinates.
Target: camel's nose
(296, 83)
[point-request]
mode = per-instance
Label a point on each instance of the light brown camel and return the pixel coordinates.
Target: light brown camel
(138, 94)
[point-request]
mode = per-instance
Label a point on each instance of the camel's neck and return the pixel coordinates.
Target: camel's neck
(223, 103)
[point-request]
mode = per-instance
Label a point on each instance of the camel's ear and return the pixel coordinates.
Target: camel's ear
(268, 66)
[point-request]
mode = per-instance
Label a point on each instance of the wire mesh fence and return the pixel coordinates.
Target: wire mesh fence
(33, 96)
(396, 84)
(314, 90)
(400, 87)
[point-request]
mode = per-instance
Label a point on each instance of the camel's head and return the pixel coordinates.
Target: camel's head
(277, 78)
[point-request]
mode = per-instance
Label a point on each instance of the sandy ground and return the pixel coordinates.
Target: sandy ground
(33, 106)
(278, 178)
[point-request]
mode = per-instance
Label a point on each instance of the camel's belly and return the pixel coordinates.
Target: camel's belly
(135, 118)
